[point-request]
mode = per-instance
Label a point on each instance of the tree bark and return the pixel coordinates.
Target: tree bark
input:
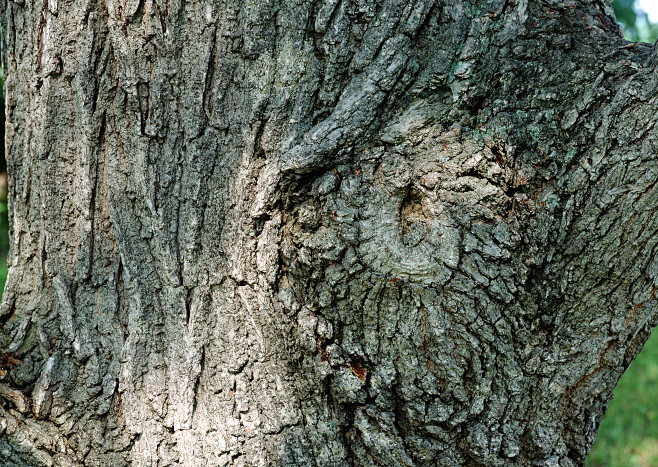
(338, 232)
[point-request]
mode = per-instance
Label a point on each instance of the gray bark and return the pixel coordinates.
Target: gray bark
(338, 232)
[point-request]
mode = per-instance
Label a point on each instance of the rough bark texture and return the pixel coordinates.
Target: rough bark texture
(322, 232)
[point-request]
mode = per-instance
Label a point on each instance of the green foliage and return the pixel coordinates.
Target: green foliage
(3, 270)
(628, 436)
(634, 21)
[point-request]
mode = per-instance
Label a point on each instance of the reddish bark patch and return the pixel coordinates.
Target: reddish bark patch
(359, 371)
(9, 361)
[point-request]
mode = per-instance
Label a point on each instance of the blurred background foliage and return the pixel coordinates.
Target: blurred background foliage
(635, 21)
(628, 436)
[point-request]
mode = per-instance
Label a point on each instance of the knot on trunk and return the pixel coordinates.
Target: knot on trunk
(413, 219)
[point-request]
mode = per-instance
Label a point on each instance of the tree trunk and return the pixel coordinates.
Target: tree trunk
(338, 232)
